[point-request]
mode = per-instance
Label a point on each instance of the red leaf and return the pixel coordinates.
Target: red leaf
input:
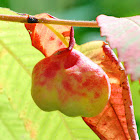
(117, 120)
(124, 34)
(44, 37)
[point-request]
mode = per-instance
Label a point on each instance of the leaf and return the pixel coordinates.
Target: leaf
(123, 34)
(17, 59)
(50, 39)
(117, 119)
(8, 119)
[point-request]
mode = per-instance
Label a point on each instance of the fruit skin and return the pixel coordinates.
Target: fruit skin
(71, 83)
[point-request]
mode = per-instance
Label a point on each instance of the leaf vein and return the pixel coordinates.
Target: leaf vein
(15, 57)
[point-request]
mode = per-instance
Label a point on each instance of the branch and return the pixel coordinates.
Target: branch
(24, 19)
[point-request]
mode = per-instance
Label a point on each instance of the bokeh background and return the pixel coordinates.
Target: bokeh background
(83, 10)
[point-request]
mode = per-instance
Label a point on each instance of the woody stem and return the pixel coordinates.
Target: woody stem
(24, 19)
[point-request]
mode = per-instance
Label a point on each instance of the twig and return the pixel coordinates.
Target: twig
(24, 19)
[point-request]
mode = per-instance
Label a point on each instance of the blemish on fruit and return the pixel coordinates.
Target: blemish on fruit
(51, 70)
(83, 94)
(62, 97)
(96, 95)
(67, 85)
(89, 84)
(77, 77)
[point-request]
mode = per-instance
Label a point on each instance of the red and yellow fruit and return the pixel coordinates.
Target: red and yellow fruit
(70, 82)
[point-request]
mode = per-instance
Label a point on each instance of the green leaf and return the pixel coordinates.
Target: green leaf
(12, 127)
(19, 116)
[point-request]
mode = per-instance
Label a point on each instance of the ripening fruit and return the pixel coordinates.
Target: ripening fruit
(71, 83)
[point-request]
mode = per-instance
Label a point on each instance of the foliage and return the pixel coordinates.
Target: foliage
(123, 34)
(23, 54)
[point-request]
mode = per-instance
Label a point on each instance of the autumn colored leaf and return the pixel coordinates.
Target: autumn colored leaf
(123, 34)
(117, 120)
(48, 38)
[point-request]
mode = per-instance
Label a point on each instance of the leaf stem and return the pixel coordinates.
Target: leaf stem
(24, 19)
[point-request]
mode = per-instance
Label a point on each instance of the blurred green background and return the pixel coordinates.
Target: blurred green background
(83, 10)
